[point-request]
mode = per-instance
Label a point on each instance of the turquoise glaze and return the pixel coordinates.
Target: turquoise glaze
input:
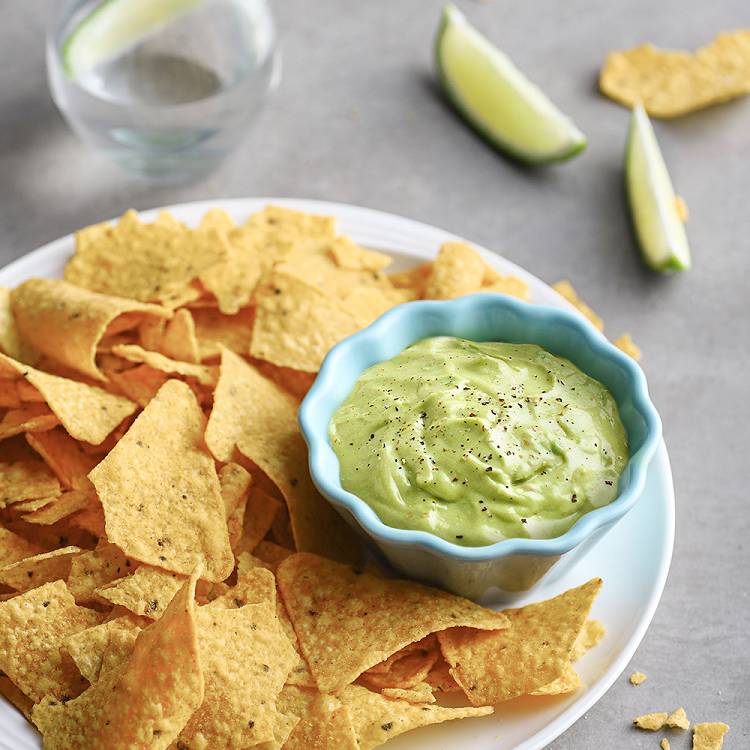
(501, 571)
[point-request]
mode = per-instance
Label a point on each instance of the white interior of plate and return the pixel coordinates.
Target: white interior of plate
(633, 563)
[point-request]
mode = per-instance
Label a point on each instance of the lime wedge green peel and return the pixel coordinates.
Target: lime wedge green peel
(113, 27)
(654, 208)
(497, 99)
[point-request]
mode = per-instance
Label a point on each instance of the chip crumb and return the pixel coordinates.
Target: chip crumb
(627, 345)
(651, 722)
(678, 719)
(681, 208)
(709, 735)
(637, 678)
(664, 744)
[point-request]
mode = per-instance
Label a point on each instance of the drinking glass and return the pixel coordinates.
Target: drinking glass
(172, 102)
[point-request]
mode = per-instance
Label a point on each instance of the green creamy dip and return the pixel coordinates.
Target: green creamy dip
(478, 442)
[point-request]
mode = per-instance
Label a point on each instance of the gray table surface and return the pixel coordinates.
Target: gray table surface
(357, 120)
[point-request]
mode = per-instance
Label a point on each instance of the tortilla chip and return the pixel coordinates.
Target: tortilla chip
(90, 520)
(295, 382)
(367, 304)
(9, 398)
(235, 484)
(457, 270)
(377, 719)
(88, 647)
(271, 553)
(255, 586)
(593, 631)
(260, 512)
(139, 384)
(161, 685)
(134, 353)
(169, 513)
(33, 626)
(510, 285)
(330, 604)
(14, 548)
(534, 651)
(651, 722)
(324, 721)
(406, 672)
(147, 592)
(14, 696)
(146, 262)
(626, 344)
(678, 719)
(10, 337)
(567, 682)
(565, 289)
(414, 279)
(86, 412)
(420, 693)
(709, 735)
(214, 330)
(61, 507)
(96, 568)
(233, 281)
(637, 678)
(347, 254)
(261, 420)
(280, 230)
(29, 418)
(296, 324)
(672, 83)
(179, 341)
(245, 658)
(62, 454)
(26, 480)
(428, 643)
(66, 323)
(37, 570)
(27, 506)
(281, 529)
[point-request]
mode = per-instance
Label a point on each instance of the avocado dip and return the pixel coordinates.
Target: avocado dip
(479, 442)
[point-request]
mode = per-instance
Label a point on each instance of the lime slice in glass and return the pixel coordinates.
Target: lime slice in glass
(113, 27)
(497, 99)
(653, 206)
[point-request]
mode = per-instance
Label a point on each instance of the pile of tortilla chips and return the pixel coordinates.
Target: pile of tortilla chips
(672, 83)
(169, 575)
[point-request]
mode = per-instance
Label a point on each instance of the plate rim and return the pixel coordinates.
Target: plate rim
(52, 251)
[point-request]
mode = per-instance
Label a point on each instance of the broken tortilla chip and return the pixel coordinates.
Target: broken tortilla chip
(709, 735)
(651, 722)
(420, 693)
(178, 340)
(63, 455)
(672, 83)
(61, 507)
(330, 603)
(637, 678)
(169, 513)
(66, 323)
(492, 667)
(33, 626)
(626, 344)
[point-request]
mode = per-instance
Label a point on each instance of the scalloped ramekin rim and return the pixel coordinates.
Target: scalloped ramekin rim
(315, 432)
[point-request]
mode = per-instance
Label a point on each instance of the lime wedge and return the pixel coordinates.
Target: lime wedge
(113, 27)
(655, 209)
(497, 99)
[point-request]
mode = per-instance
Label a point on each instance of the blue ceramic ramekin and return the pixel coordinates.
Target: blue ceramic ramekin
(506, 569)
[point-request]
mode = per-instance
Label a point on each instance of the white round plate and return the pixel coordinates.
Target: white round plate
(633, 563)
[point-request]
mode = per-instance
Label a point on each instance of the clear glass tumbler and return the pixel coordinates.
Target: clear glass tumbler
(170, 101)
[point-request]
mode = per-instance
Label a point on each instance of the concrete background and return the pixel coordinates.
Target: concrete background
(357, 119)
